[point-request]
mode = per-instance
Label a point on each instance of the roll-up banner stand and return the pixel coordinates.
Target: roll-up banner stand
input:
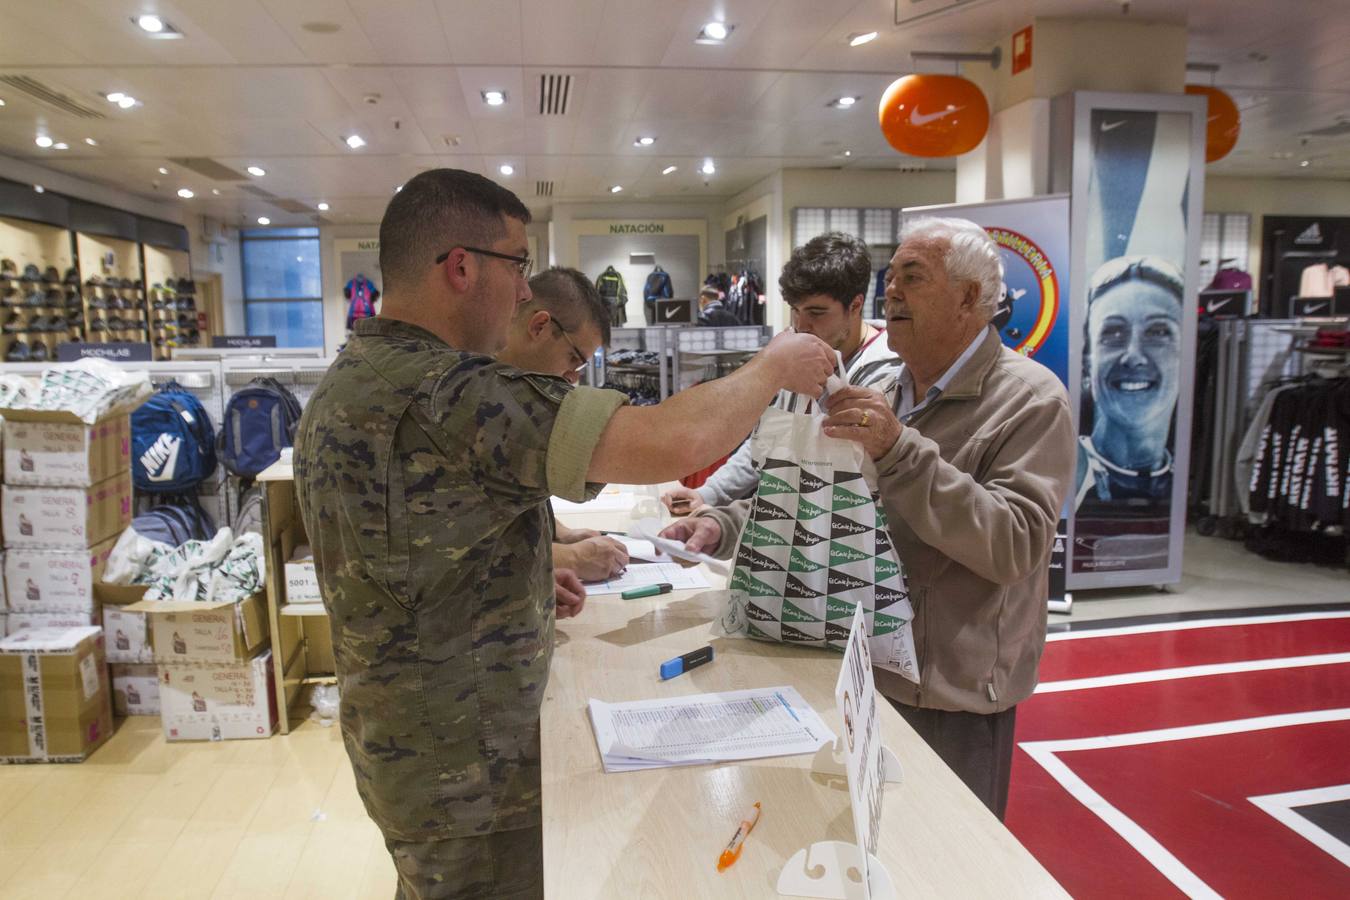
(1033, 314)
(1135, 166)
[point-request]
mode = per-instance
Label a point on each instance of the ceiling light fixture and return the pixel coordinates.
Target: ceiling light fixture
(43, 141)
(115, 96)
(60, 145)
(848, 152)
(714, 33)
(127, 102)
(857, 40)
(263, 220)
(152, 24)
(494, 98)
(186, 194)
(668, 169)
(323, 207)
(1305, 163)
(845, 101)
(155, 27)
(39, 188)
(644, 141)
(256, 171)
(2, 101)
(163, 171)
(215, 192)
(397, 189)
(91, 142)
(354, 141)
(506, 169)
(616, 188)
(708, 167)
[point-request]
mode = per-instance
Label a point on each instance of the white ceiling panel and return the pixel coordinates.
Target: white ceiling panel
(325, 30)
(561, 34)
(691, 93)
(483, 32)
(243, 28)
(474, 80)
(408, 31)
(635, 32)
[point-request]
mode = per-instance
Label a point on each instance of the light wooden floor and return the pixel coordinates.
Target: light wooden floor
(146, 819)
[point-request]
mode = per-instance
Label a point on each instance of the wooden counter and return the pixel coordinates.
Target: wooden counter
(658, 833)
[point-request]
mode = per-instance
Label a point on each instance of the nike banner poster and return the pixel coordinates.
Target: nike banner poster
(815, 546)
(1133, 214)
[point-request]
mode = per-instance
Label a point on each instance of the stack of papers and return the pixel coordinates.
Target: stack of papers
(636, 576)
(611, 499)
(706, 728)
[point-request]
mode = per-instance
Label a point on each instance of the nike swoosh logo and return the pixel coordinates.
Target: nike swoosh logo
(670, 313)
(916, 119)
(1217, 304)
(1318, 308)
(1019, 293)
(1112, 126)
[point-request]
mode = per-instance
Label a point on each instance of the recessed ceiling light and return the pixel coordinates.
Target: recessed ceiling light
(708, 167)
(845, 101)
(506, 169)
(215, 192)
(714, 33)
(127, 102)
(616, 188)
(323, 207)
(152, 24)
(397, 189)
(39, 188)
(644, 141)
(115, 96)
(43, 141)
(494, 98)
(163, 171)
(263, 220)
(60, 145)
(2, 101)
(1305, 163)
(354, 141)
(857, 40)
(186, 194)
(848, 152)
(91, 142)
(668, 169)
(256, 171)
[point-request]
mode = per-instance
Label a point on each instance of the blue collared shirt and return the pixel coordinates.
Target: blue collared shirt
(908, 409)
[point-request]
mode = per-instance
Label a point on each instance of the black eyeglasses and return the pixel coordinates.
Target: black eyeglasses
(577, 354)
(524, 264)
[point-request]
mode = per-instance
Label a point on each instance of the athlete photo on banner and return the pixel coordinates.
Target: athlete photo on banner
(1133, 339)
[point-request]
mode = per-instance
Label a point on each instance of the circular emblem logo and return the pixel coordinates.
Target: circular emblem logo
(1030, 305)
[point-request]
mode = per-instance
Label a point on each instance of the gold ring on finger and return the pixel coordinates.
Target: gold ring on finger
(866, 417)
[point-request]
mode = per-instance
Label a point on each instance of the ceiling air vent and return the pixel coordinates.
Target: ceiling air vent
(209, 168)
(43, 94)
(543, 189)
(554, 92)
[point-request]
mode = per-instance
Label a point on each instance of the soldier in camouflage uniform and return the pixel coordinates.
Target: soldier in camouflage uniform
(423, 468)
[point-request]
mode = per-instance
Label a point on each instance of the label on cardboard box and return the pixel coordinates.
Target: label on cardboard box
(302, 584)
(65, 517)
(218, 702)
(128, 636)
(66, 453)
(17, 622)
(135, 690)
(55, 581)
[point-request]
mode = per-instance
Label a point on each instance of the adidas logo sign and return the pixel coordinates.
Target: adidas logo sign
(161, 459)
(1311, 235)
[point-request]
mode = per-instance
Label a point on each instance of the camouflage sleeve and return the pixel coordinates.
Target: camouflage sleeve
(582, 418)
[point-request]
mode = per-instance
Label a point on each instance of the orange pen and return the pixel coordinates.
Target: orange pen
(733, 851)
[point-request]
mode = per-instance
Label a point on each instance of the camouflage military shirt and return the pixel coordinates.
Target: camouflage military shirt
(423, 474)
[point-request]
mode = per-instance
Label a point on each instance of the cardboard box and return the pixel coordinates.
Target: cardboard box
(302, 584)
(65, 517)
(17, 622)
(206, 632)
(218, 703)
(119, 594)
(135, 689)
(127, 636)
(55, 581)
(55, 702)
(47, 447)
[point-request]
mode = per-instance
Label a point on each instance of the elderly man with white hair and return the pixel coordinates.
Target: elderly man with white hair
(974, 463)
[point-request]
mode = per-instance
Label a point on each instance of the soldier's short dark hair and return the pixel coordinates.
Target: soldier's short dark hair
(835, 264)
(570, 297)
(436, 211)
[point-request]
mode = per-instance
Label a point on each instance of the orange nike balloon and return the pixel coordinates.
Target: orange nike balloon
(1221, 133)
(933, 115)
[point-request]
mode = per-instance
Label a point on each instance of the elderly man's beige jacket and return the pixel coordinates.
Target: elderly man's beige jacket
(973, 490)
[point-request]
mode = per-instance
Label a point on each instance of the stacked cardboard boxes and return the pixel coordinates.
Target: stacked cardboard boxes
(54, 695)
(214, 668)
(65, 501)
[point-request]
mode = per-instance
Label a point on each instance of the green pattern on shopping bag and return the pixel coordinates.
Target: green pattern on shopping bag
(839, 609)
(772, 484)
(806, 510)
(886, 568)
(847, 499)
(884, 624)
(760, 536)
(793, 613)
(842, 553)
(798, 562)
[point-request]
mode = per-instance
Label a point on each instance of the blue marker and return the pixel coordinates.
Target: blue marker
(681, 664)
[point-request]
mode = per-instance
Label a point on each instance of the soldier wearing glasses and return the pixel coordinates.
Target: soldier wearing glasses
(423, 468)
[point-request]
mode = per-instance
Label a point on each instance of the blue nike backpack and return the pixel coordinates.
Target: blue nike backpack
(173, 444)
(260, 420)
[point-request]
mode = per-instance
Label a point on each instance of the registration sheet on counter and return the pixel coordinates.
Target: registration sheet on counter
(644, 575)
(706, 728)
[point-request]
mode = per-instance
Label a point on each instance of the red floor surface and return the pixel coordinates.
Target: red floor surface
(1168, 815)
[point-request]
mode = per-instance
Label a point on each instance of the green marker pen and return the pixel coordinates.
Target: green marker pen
(650, 590)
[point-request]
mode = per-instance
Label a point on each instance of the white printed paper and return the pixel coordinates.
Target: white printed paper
(706, 728)
(678, 577)
(856, 697)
